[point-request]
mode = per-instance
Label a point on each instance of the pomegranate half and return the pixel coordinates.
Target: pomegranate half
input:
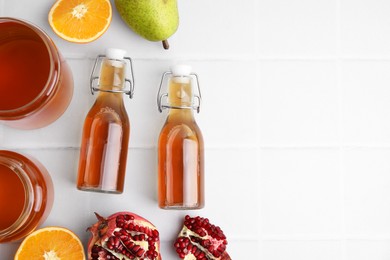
(122, 236)
(199, 239)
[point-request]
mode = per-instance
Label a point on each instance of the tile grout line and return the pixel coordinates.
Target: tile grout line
(260, 239)
(246, 58)
(325, 146)
(324, 237)
(343, 240)
(216, 147)
(142, 147)
(342, 203)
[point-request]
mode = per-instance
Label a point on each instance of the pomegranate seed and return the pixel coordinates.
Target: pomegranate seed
(135, 248)
(155, 233)
(140, 252)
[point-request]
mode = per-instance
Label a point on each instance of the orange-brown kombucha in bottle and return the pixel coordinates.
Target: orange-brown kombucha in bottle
(180, 148)
(104, 144)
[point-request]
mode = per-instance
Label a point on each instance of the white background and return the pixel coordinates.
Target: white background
(295, 117)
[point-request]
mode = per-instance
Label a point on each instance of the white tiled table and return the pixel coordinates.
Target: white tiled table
(295, 117)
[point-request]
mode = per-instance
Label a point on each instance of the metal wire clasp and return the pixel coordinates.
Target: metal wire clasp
(160, 95)
(94, 80)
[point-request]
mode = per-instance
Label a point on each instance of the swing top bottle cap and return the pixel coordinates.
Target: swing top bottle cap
(116, 54)
(181, 70)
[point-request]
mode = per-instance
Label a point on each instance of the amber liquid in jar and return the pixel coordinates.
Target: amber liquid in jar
(180, 152)
(24, 64)
(105, 138)
(36, 83)
(12, 197)
(26, 195)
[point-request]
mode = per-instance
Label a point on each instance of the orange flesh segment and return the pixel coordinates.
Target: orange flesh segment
(80, 20)
(51, 241)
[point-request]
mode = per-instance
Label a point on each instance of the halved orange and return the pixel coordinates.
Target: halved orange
(51, 243)
(80, 21)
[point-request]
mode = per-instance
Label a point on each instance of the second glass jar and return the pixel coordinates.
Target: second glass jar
(26, 195)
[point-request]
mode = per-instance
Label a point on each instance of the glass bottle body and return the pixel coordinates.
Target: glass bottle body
(104, 144)
(180, 153)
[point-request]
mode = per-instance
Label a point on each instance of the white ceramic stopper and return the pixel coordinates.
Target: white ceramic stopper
(181, 70)
(115, 54)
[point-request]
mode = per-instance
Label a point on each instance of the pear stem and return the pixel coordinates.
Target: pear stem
(165, 44)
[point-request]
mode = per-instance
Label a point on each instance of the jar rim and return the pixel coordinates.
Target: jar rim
(52, 77)
(16, 166)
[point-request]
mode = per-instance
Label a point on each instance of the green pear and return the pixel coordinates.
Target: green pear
(154, 20)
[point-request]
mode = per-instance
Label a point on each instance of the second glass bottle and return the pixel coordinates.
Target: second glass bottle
(180, 145)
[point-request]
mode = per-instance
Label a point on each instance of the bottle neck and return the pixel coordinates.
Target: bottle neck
(180, 92)
(112, 78)
(180, 96)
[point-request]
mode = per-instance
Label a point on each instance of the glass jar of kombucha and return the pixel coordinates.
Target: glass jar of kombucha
(180, 145)
(36, 83)
(26, 195)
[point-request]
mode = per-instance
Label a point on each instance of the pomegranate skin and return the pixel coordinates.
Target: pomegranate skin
(199, 239)
(122, 236)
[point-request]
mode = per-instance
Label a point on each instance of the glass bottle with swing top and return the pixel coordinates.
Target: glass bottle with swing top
(104, 145)
(180, 145)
